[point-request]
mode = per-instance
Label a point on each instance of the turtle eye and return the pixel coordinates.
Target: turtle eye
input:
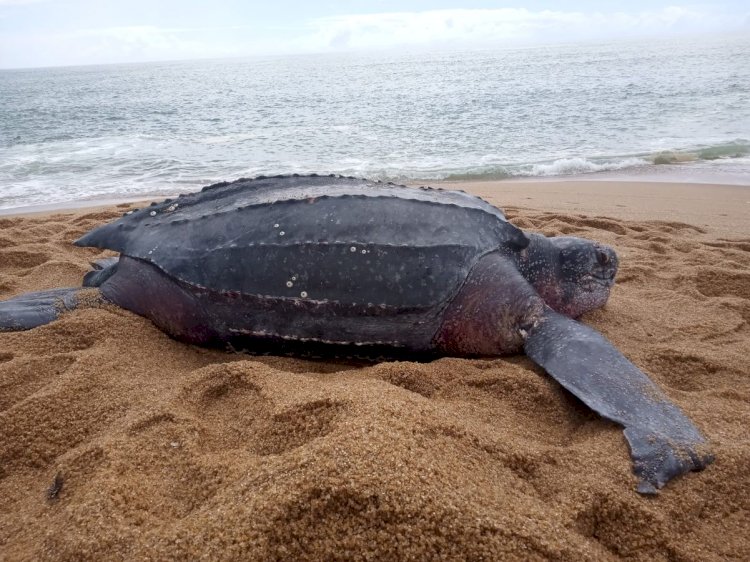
(602, 257)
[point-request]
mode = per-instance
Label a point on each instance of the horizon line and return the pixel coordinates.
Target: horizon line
(500, 46)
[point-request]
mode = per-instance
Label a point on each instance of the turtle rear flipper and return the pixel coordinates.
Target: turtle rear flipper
(664, 443)
(102, 270)
(36, 309)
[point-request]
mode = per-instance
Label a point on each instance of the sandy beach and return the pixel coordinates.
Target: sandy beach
(166, 451)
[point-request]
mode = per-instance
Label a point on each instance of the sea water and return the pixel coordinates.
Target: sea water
(625, 108)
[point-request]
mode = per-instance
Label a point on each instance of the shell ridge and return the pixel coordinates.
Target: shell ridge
(492, 210)
(181, 214)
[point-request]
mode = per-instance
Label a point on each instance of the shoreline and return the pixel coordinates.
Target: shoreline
(720, 208)
(706, 172)
(76, 206)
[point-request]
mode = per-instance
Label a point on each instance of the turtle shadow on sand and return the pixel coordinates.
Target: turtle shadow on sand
(338, 266)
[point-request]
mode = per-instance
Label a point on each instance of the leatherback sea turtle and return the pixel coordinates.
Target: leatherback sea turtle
(344, 265)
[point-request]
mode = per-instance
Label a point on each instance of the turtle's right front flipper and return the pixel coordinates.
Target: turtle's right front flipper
(664, 443)
(36, 309)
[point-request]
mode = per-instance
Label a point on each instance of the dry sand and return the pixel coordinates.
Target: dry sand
(167, 451)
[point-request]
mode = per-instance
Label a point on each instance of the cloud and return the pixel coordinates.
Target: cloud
(138, 42)
(112, 45)
(462, 28)
(506, 25)
(20, 2)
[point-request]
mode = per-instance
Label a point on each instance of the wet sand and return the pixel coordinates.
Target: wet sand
(170, 451)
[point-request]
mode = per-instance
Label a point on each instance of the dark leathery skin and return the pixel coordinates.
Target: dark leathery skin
(491, 312)
(325, 239)
(664, 443)
(103, 270)
(36, 309)
(207, 317)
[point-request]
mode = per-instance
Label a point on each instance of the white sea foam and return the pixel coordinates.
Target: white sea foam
(568, 166)
(572, 109)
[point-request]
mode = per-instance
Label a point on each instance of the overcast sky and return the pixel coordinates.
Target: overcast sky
(69, 32)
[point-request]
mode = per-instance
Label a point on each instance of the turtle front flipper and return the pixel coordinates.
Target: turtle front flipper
(664, 443)
(36, 309)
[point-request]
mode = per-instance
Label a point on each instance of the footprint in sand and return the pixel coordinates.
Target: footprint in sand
(227, 403)
(233, 411)
(716, 282)
(297, 426)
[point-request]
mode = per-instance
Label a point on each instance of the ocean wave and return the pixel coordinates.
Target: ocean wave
(111, 166)
(559, 167)
(577, 165)
(734, 149)
(574, 166)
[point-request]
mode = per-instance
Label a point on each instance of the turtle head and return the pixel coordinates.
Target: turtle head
(572, 275)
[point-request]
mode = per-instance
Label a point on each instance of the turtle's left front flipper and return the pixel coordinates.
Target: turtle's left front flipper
(36, 309)
(664, 443)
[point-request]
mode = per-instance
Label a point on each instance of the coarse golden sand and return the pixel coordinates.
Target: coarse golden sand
(117, 442)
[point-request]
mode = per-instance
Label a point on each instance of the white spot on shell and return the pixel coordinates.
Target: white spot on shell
(129, 213)
(152, 213)
(172, 207)
(303, 294)
(294, 277)
(353, 249)
(289, 284)
(281, 233)
(276, 225)
(364, 251)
